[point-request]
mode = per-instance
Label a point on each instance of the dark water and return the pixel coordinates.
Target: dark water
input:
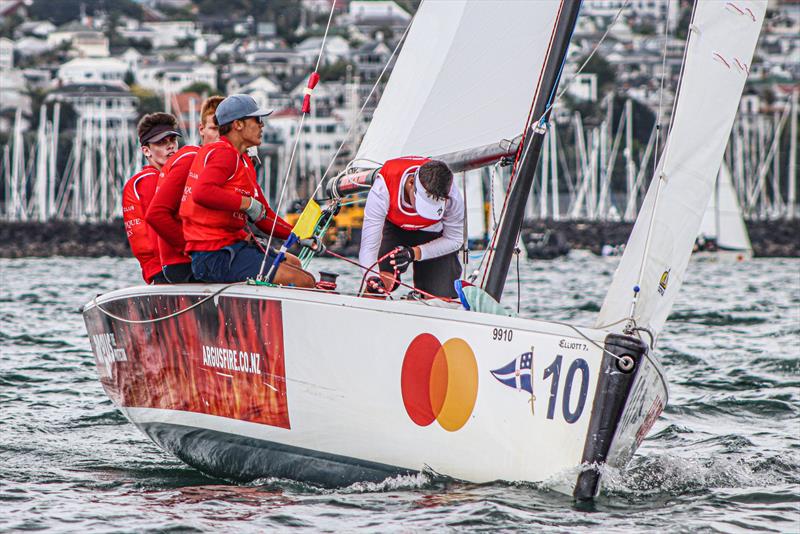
(725, 456)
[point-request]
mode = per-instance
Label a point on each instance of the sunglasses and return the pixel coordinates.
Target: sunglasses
(259, 120)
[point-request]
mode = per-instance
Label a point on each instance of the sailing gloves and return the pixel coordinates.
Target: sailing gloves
(375, 286)
(255, 211)
(314, 243)
(401, 258)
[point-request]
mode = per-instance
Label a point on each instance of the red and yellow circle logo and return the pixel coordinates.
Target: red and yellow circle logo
(439, 381)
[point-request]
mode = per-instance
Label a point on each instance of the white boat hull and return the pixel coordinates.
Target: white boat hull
(333, 389)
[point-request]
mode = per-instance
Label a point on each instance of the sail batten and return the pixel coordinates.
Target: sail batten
(719, 49)
(449, 93)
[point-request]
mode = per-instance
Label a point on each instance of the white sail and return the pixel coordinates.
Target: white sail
(461, 80)
(722, 39)
(473, 196)
(723, 220)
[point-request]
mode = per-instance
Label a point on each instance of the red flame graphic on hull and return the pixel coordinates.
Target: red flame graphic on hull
(225, 359)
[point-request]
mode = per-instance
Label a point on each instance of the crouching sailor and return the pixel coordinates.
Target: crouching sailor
(158, 135)
(415, 212)
(221, 193)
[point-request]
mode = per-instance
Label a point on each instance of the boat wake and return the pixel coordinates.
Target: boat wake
(674, 475)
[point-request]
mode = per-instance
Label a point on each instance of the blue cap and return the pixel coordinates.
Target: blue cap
(238, 107)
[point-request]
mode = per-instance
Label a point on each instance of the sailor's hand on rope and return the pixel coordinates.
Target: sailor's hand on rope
(255, 210)
(375, 286)
(314, 243)
(401, 258)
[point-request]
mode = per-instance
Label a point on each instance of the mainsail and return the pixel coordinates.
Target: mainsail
(723, 220)
(722, 39)
(449, 92)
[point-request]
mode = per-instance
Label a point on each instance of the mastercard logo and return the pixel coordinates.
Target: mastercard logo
(439, 381)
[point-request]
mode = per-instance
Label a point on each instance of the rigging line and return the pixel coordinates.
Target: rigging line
(171, 315)
(647, 354)
(283, 191)
(294, 149)
(662, 176)
(361, 111)
(371, 269)
(325, 35)
(490, 236)
(524, 147)
(661, 90)
(586, 61)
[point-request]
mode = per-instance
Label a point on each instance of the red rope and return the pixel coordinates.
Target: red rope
(371, 270)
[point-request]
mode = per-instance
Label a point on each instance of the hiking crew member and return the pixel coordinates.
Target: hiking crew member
(162, 216)
(221, 194)
(158, 136)
(415, 208)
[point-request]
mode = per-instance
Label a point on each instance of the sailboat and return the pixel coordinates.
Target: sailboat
(723, 232)
(246, 381)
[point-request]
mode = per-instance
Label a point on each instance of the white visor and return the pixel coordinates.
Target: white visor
(427, 206)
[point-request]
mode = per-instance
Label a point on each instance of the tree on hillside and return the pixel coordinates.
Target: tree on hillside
(606, 74)
(149, 101)
(200, 88)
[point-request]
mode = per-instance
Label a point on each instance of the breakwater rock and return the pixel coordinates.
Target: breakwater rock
(769, 238)
(65, 238)
(62, 238)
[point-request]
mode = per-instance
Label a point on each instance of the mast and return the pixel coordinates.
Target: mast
(521, 185)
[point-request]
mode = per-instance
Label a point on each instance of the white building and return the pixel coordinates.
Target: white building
(66, 33)
(654, 9)
(31, 46)
(90, 44)
(251, 84)
(584, 87)
(373, 14)
(173, 78)
(6, 55)
(92, 70)
(36, 28)
(109, 102)
(167, 34)
(336, 49)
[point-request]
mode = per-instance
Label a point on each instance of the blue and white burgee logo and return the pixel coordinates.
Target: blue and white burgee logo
(517, 373)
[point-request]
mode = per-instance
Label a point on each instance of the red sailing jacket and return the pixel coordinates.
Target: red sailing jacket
(217, 181)
(162, 215)
(394, 173)
(136, 197)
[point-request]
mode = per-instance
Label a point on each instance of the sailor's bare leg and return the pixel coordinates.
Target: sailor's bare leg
(293, 260)
(291, 274)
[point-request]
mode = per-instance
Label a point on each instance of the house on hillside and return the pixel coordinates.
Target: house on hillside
(370, 59)
(66, 33)
(31, 46)
(369, 16)
(11, 8)
(259, 87)
(13, 96)
(278, 62)
(186, 108)
(336, 49)
(90, 44)
(110, 102)
(34, 28)
(92, 70)
(6, 54)
(174, 77)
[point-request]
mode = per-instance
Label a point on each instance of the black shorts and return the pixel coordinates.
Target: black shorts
(178, 273)
(434, 276)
